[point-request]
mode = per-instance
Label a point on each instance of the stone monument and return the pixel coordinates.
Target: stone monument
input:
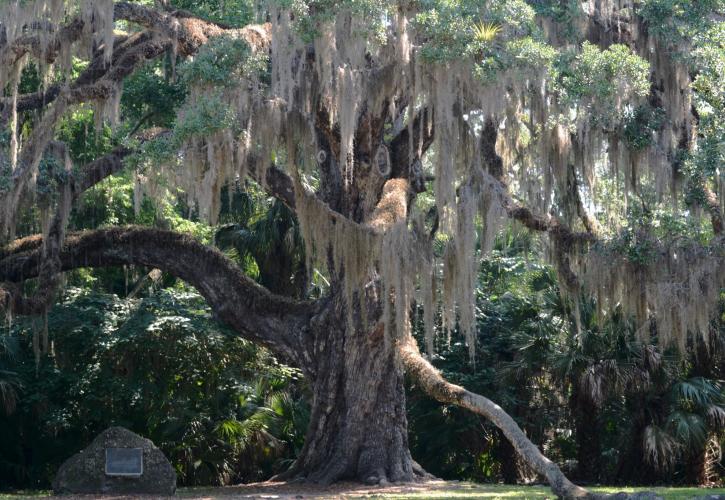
(117, 462)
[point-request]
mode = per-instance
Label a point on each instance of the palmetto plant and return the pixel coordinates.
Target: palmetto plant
(220, 408)
(695, 411)
(270, 240)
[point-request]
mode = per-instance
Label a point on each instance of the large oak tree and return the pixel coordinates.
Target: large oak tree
(402, 134)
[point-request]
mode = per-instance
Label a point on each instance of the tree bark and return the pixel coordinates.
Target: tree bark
(436, 386)
(358, 427)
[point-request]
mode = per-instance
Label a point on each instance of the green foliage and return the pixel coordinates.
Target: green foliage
(710, 57)
(648, 231)
(709, 87)
(467, 29)
(219, 407)
(640, 125)
(603, 79)
(206, 115)
(565, 13)
(676, 21)
(222, 65)
(309, 15)
(79, 132)
(226, 61)
(265, 238)
(235, 13)
(51, 175)
(150, 96)
(29, 80)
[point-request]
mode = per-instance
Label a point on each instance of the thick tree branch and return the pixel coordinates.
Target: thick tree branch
(563, 237)
(100, 81)
(440, 389)
(98, 170)
(47, 50)
(274, 321)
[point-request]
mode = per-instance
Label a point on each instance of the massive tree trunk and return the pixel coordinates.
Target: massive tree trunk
(358, 427)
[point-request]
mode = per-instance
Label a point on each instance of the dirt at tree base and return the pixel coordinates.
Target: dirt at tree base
(344, 489)
(294, 490)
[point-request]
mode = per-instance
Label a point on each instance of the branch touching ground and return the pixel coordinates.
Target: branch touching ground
(439, 388)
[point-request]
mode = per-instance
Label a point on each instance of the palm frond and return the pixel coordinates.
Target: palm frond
(690, 429)
(697, 391)
(661, 449)
(716, 415)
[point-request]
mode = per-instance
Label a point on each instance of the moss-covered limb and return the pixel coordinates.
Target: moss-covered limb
(189, 32)
(433, 383)
(100, 82)
(186, 35)
(562, 236)
(539, 222)
(277, 322)
(46, 49)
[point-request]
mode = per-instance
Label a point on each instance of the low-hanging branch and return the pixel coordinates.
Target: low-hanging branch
(274, 321)
(433, 383)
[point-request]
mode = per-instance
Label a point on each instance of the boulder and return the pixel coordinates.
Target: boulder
(85, 472)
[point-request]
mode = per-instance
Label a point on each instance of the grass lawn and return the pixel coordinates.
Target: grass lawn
(429, 490)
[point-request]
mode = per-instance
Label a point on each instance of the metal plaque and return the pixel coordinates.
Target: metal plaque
(124, 462)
